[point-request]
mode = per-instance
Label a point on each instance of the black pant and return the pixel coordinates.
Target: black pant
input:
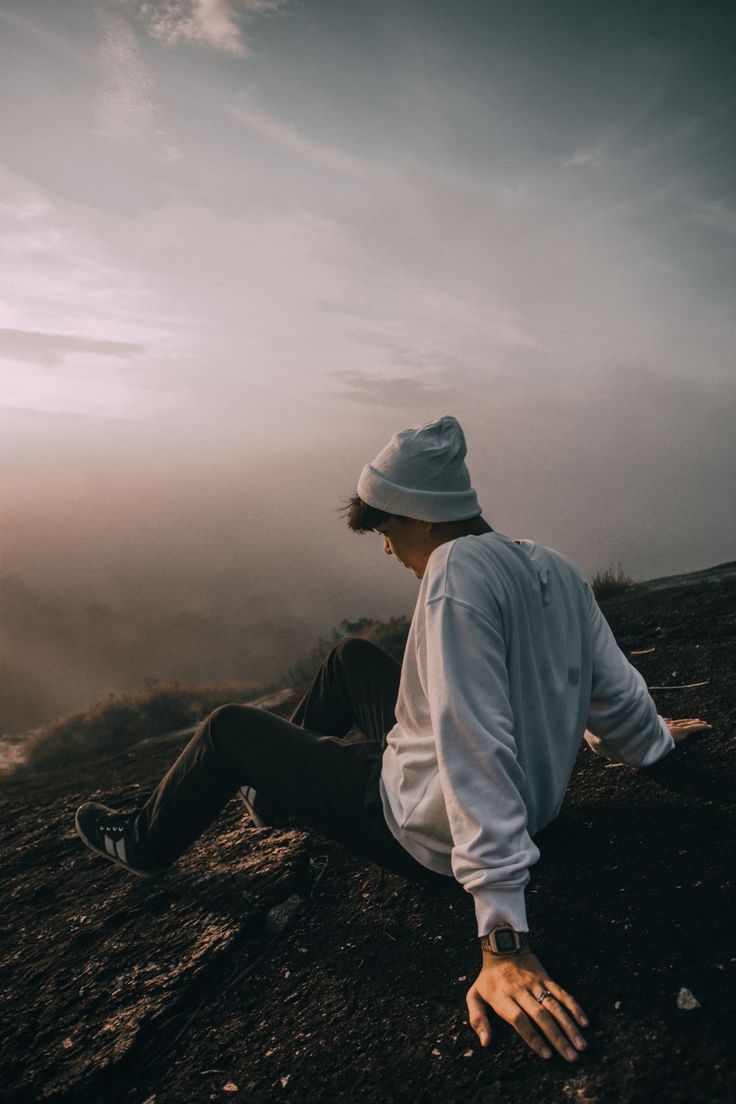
(304, 767)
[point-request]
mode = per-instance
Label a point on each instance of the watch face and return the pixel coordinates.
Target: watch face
(505, 939)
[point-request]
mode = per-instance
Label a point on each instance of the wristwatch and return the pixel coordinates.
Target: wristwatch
(505, 940)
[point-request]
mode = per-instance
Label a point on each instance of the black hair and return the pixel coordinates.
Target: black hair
(361, 517)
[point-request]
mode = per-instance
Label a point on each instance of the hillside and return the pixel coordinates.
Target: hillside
(178, 989)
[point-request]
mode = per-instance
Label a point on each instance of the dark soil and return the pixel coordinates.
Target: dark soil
(174, 990)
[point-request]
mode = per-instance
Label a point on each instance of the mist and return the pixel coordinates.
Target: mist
(129, 559)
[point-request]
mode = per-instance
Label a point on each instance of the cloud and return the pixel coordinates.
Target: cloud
(126, 106)
(580, 158)
(401, 391)
(213, 23)
(50, 349)
(285, 137)
(717, 215)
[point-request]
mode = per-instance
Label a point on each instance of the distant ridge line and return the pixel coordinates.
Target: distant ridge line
(704, 574)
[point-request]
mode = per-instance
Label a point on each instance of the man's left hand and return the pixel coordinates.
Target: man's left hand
(510, 985)
(686, 726)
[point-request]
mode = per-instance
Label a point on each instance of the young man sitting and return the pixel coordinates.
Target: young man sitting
(468, 746)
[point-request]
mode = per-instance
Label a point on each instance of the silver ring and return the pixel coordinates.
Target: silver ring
(543, 996)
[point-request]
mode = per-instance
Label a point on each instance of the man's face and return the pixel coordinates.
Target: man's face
(409, 541)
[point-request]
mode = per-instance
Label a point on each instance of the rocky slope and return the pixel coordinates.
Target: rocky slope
(187, 988)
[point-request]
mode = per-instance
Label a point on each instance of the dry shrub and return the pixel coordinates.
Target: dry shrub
(389, 635)
(123, 720)
(612, 581)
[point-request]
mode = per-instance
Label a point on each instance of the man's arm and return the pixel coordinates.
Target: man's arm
(623, 724)
(482, 781)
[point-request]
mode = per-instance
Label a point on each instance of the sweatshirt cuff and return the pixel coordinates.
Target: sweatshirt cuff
(495, 906)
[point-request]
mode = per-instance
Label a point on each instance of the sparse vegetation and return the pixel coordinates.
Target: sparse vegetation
(125, 719)
(389, 635)
(612, 581)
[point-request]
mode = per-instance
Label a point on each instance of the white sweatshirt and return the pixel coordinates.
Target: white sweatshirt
(508, 661)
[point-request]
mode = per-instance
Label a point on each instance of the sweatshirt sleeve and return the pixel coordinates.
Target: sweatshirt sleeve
(623, 723)
(480, 775)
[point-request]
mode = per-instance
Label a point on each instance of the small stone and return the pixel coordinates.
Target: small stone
(463, 977)
(229, 1086)
(435, 1052)
(282, 916)
(467, 1054)
(284, 1080)
(68, 1044)
(686, 1000)
(617, 1005)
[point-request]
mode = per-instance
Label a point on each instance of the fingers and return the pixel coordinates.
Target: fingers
(552, 1020)
(478, 1016)
(554, 1023)
(568, 1001)
(522, 1024)
(536, 1025)
(681, 730)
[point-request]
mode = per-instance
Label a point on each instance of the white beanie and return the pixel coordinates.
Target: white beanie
(421, 474)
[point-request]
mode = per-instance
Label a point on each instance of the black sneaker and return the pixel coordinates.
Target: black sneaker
(261, 813)
(109, 833)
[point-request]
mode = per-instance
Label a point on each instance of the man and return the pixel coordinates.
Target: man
(467, 748)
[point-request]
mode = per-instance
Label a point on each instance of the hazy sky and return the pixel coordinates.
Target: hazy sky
(245, 241)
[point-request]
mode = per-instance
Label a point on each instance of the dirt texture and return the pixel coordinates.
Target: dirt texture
(188, 988)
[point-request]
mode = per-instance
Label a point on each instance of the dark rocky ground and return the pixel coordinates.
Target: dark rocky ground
(174, 990)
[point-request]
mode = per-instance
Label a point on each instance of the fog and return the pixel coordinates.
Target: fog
(130, 561)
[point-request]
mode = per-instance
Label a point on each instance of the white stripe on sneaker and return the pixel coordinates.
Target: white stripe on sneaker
(120, 848)
(109, 845)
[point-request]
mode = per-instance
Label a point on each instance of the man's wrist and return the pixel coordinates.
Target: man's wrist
(503, 941)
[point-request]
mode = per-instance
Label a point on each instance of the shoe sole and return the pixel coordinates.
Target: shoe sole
(111, 858)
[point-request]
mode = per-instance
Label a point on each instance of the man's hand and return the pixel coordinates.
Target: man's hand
(509, 986)
(688, 726)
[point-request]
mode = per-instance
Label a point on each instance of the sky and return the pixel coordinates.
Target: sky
(246, 241)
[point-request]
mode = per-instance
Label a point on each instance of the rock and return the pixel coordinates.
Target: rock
(581, 1090)
(230, 1087)
(282, 916)
(686, 1000)
(94, 989)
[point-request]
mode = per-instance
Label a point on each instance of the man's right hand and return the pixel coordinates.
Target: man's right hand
(688, 726)
(510, 985)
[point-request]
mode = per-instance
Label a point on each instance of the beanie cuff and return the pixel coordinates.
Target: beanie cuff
(380, 493)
